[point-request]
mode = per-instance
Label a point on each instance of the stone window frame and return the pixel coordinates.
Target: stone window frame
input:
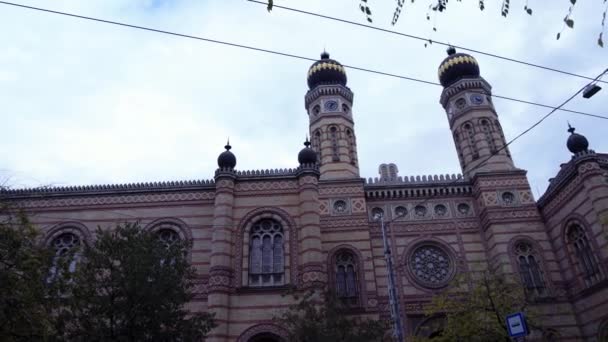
(333, 136)
(538, 253)
(446, 248)
(487, 129)
(360, 272)
(290, 246)
(573, 259)
(469, 136)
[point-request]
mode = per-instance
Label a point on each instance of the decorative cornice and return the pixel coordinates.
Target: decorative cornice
(110, 188)
(568, 172)
(424, 179)
(318, 91)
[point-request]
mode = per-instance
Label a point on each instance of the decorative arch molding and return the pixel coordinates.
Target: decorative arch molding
(331, 261)
(266, 328)
(452, 254)
(73, 227)
(538, 251)
(180, 227)
(242, 242)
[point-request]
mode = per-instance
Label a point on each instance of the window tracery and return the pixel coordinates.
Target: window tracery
(333, 137)
(487, 131)
(470, 134)
(583, 253)
(347, 288)
(530, 269)
(351, 147)
(64, 245)
(431, 266)
(266, 257)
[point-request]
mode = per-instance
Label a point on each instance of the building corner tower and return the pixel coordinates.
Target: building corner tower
(329, 105)
(476, 130)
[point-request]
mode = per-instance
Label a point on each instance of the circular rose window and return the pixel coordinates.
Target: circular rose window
(431, 266)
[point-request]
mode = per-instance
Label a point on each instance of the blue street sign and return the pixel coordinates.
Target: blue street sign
(516, 325)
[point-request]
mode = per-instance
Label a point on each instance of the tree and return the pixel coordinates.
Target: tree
(131, 286)
(26, 300)
(321, 317)
(479, 313)
(439, 6)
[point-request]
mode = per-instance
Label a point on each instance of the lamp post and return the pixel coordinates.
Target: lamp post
(392, 288)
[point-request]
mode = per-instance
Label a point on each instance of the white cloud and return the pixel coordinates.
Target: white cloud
(86, 102)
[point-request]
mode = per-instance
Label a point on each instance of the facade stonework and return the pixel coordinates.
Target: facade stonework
(256, 234)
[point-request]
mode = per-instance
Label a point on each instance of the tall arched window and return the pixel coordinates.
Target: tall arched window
(530, 270)
(351, 147)
(487, 131)
(347, 288)
(470, 134)
(65, 245)
(316, 145)
(333, 137)
(266, 257)
(580, 247)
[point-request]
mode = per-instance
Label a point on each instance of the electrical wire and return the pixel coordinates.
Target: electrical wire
(426, 40)
(284, 54)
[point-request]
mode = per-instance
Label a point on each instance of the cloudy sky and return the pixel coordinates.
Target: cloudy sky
(87, 103)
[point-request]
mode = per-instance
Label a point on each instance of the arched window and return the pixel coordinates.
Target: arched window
(266, 258)
(316, 145)
(470, 134)
(530, 270)
(347, 288)
(65, 245)
(487, 131)
(351, 147)
(586, 262)
(502, 137)
(333, 137)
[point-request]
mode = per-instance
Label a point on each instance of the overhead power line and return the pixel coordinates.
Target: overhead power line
(426, 40)
(274, 52)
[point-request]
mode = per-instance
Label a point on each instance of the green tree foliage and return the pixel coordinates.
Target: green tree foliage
(130, 286)
(478, 312)
(439, 6)
(321, 317)
(26, 300)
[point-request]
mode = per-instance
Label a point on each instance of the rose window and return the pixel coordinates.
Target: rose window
(431, 266)
(464, 209)
(340, 206)
(400, 211)
(441, 210)
(508, 197)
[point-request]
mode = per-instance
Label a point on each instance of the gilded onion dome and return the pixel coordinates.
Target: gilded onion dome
(326, 71)
(457, 66)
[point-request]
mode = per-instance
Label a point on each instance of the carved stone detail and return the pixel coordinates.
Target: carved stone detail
(120, 199)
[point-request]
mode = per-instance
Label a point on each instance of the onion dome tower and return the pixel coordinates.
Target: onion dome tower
(467, 100)
(226, 159)
(576, 143)
(307, 155)
(328, 103)
(457, 66)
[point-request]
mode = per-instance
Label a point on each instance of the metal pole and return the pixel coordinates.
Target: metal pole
(392, 288)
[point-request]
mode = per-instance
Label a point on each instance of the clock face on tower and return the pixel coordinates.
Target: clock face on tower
(476, 99)
(331, 105)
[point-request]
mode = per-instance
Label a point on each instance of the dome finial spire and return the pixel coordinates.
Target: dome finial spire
(228, 147)
(324, 54)
(307, 142)
(570, 128)
(451, 50)
(576, 142)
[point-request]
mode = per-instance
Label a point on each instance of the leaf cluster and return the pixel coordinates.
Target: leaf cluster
(479, 313)
(321, 317)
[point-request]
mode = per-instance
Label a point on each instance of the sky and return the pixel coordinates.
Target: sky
(90, 103)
